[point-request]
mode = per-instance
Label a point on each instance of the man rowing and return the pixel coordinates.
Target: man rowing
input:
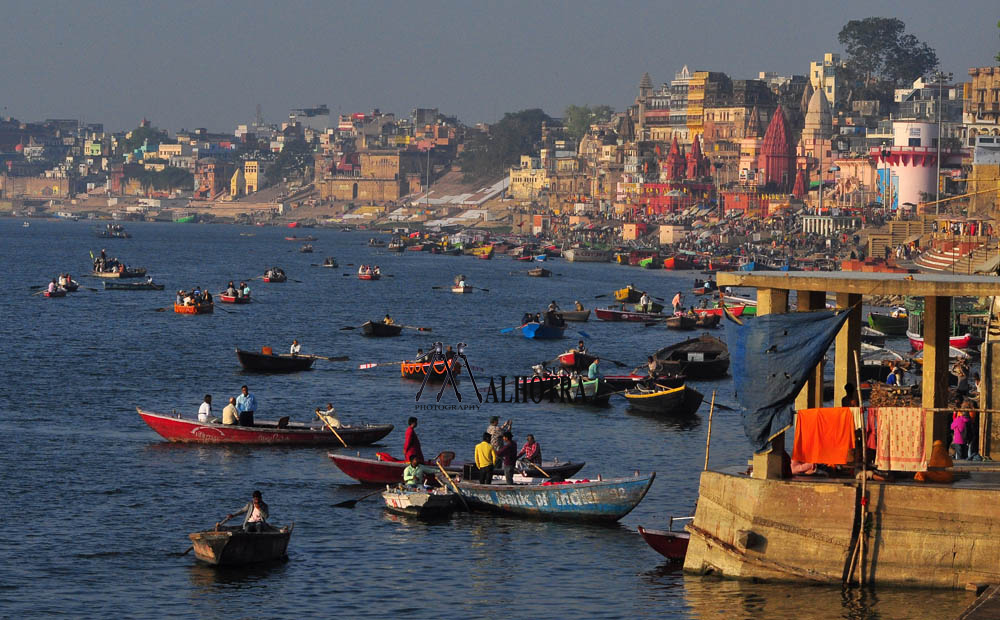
(256, 515)
(295, 349)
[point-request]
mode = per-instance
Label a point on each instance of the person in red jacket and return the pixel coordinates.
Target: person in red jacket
(411, 443)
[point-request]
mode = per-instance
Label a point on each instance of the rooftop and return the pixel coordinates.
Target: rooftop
(866, 283)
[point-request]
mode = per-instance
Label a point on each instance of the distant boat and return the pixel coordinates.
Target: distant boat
(25, 224)
(584, 255)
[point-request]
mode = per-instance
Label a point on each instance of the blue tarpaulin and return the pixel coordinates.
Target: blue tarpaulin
(771, 359)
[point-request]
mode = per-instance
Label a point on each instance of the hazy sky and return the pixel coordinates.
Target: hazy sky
(208, 64)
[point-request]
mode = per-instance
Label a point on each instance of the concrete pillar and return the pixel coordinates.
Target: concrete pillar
(848, 341)
(768, 466)
(937, 329)
(812, 392)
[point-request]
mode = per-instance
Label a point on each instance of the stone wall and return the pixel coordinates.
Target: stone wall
(33, 187)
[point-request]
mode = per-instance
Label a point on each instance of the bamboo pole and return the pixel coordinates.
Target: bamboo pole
(864, 475)
(708, 439)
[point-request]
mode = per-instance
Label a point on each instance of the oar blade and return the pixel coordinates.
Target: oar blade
(367, 366)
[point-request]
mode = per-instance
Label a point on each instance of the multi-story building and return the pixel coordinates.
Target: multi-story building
(528, 179)
(706, 89)
(981, 114)
(211, 178)
(679, 105)
(828, 75)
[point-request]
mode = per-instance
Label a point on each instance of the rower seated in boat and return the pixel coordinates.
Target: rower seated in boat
(527, 318)
(415, 474)
(387, 320)
(295, 349)
(580, 347)
(256, 513)
(579, 306)
(329, 416)
(231, 290)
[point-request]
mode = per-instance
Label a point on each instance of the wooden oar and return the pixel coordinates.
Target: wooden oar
(374, 364)
(419, 329)
(545, 473)
(485, 290)
(341, 358)
(189, 549)
(507, 330)
(351, 503)
(453, 485)
(327, 424)
(600, 296)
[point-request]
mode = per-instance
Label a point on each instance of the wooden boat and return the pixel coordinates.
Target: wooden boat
(113, 231)
(378, 329)
(573, 500)
(652, 262)
(231, 546)
(388, 470)
(461, 289)
(232, 299)
(540, 331)
(585, 255)
(736, 311)
(134, 272)
(132, 286)
(683, 400)
(306, 249)
(888, 325)
(306, 238)
(329, 262)
(708, 321)
(959, 342)
(187, 430)
(668, 543)
(574, 360)
(872, 336)
(275, 278)
(396, 245)
(683, 322)
(613, 313)
(416, 248)
(576, 316)
(435, 504)
(417, 370)
(484, 252)
(633, 379)
(704, 357)
(676, 262)
(267, 361)
(369, 276)
(628, 295)
(563, 389)
(73, 286)
(376, 243)
(201, 308)
(539, 272)
(59, 292)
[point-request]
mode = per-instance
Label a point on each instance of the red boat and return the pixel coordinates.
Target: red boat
(612, 314)
(959, 342)
(388, 470)
(369, 276)
(185, 430)
(227, 299)
(417, 370)
(733, 310)
(671, 545)
(576, 360)
(677, 262)
(56, 293)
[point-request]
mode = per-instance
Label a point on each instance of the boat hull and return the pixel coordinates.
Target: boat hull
(889, 325)
(701, 358)
(128, 273)
(420, 504)
(576, 316)
(132, 286)
(681, 322)
(262, 362)
(369, 276)
(374, 471)
(185, 430)
(199, 309)
(416, 370)
(679, 401)
(671, 545)
(610, 314)
(461, 289)
(594, 501)
(580, 255)
(233, 547)
(228, 299)
(380, 330)
(55, 293)
(959, 342)
(537, 331)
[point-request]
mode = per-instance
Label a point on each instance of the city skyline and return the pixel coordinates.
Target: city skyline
(188, 65)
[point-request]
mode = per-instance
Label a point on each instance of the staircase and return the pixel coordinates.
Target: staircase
(940, 260)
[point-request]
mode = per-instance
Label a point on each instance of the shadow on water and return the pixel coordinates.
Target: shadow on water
(681, 422)
(253, 576)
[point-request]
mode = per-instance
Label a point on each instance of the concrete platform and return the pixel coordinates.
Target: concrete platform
(865, 283)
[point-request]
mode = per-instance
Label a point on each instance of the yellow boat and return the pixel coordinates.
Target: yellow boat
(483, 251)
(628, 295)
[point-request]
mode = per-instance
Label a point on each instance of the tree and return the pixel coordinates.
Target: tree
(879, 49)
(578, 119)
(490, 153)
(293, 160)
(998, 54)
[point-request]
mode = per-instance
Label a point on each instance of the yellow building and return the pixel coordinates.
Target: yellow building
(528, 179)
(828, 75)
(246, 180)
(237, 183)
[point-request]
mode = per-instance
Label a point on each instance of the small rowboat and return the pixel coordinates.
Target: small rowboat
(575, 360)
(572, 500)
(132, 286)
(232, 299)
(417, 370)
(231, 546)
(186, 430)
(434, 504)
(461, 289)
(306, 238)
(708, 321)
(959, 342)
(196, 309)
(73, 286)
(329, 262)
(266, 361)
(276, 278)
(704, 357)
(683, 400)
(887, 324)
(539, 272)
(538, 331)
(736, 311)
(683, 322)
(306, 249)
(615, 314)
(388, 470)
(59, 292)
(872, 336)
(628, 295)
(369, 276)
(378, 329)
(136, 272)
(632, 380)
(671, 545)
(577, 316)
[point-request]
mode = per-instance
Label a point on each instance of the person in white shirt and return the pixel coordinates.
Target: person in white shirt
(644, 302)
(205, 411)
(256, 515)
(330, 415)
(296, 347)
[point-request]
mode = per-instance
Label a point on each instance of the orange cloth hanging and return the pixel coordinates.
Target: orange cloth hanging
(824, 435)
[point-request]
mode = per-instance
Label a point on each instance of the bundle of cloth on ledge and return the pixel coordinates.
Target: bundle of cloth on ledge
(824, 435)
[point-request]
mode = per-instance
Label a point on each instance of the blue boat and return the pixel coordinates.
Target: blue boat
(580, 500)
(541, 257)
(539, 331)
(748, 266)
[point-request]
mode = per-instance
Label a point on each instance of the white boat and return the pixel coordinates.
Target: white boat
(419, 502)
(584, 255)
(461, 289)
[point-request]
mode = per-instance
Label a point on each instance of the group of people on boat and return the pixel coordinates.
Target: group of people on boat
(243, 290)
(274, 273)
(552, 317)
(329, 262)
(195, 297)
(103, 264)
(63, 283)
(369, 270)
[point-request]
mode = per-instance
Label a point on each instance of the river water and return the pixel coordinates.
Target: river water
(97, 507)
